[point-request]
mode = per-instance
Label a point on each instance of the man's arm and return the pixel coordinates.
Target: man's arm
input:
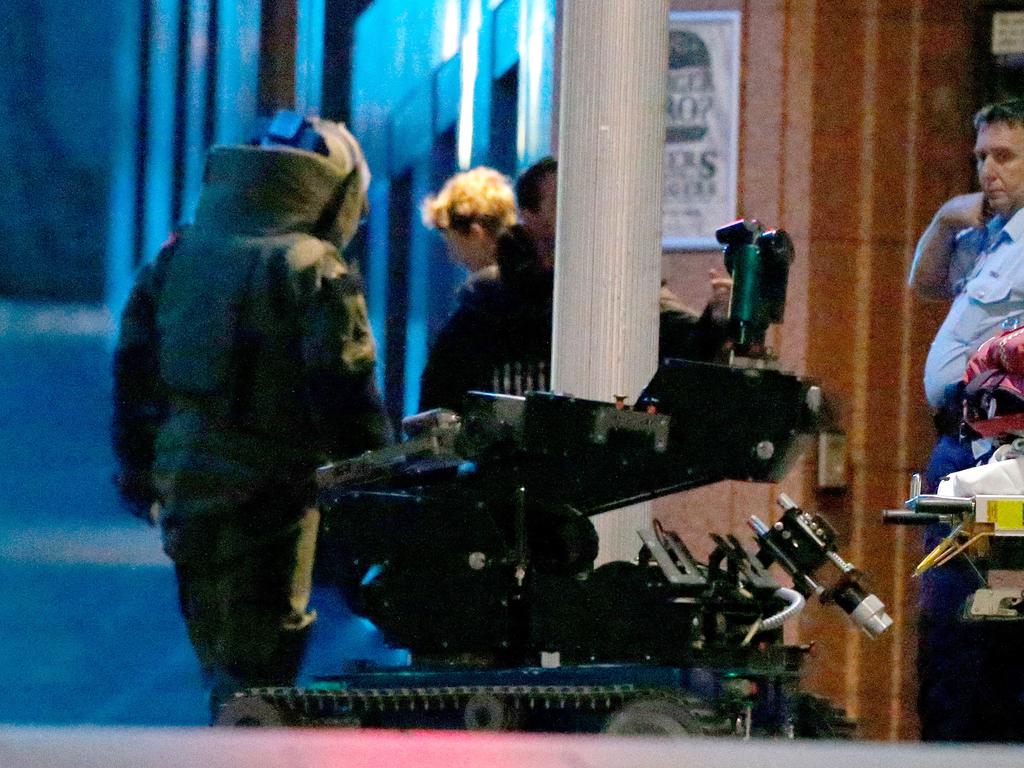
(682, 333)
(929, 273)
(338, 351)
(138, 398)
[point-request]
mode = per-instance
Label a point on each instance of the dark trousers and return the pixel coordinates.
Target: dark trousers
(970, 674)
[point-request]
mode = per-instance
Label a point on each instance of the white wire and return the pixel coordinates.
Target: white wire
(796, 604)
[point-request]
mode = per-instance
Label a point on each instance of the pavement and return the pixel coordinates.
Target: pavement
(89, 628)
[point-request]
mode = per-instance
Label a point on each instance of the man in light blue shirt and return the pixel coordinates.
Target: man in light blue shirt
(971, 251)
(970, 676)
(987, 277)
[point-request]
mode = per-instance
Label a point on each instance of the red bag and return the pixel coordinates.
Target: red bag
(994, 385)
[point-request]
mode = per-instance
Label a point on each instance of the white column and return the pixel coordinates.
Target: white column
(608, 265)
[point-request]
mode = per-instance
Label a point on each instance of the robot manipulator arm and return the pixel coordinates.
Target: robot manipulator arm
(801, 543)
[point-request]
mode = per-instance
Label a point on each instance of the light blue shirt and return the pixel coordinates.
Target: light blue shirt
(987, 274)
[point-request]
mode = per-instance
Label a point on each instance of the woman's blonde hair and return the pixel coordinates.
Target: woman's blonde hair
(481, 195)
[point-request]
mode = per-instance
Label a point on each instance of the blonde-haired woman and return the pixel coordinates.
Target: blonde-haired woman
(471, 210)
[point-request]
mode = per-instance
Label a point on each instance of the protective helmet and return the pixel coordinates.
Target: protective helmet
(332, 141)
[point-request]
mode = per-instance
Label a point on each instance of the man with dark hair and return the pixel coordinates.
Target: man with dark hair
(970, 679)
(245, 360)
(963, 233)
(533, 187)
(536, 195)
(499, 337)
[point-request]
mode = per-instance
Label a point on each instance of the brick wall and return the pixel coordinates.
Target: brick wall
(854, 128)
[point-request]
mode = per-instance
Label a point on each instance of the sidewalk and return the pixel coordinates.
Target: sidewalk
(91, 632)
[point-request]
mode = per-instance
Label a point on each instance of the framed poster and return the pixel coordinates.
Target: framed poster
(701, 127)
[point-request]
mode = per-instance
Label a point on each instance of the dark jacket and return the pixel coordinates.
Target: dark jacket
(499, 337)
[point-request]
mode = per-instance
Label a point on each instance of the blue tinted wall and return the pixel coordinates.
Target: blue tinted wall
(186, 76)
(108, 117)
(57, 92)
(439, 86)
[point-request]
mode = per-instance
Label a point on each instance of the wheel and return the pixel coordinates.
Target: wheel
(665, 717)
(249, 711)
(815, 717)
(487, 712)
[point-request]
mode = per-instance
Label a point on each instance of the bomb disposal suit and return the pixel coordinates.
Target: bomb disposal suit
(245, 360)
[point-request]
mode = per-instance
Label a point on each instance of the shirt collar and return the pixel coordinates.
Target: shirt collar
(998, 228)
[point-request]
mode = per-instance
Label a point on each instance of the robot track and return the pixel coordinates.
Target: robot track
(618, 709)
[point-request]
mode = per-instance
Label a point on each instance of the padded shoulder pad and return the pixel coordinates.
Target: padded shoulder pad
(197, 314)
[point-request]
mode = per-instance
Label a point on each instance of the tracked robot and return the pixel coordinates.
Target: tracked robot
(471, 545)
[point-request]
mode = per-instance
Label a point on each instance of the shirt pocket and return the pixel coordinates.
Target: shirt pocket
(987, 305)
(968, 247)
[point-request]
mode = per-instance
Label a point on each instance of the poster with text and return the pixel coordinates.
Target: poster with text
(701, 128)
